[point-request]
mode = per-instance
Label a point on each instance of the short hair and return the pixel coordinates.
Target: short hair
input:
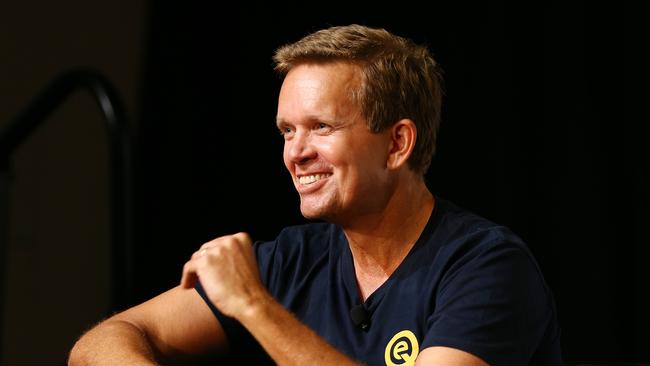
(399, 79)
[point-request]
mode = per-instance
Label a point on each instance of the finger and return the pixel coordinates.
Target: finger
(243, 237)
(199, 253)
(204, 249)
(209, 244)
(189, 276)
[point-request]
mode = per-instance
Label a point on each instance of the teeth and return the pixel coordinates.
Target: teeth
(309, 179)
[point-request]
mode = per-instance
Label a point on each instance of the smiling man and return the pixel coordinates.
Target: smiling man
(394, 276)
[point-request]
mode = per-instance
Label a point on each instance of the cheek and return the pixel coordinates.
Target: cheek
(367, 155)
(285, 154)
(369, 165)
(376, 153)
(335, 152)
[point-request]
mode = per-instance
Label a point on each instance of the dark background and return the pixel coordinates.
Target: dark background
(543, 131)
(539, 133)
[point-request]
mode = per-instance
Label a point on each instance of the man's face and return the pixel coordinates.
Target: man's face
(338, 166)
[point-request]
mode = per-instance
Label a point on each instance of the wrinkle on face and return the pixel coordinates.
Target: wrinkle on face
(317, 94)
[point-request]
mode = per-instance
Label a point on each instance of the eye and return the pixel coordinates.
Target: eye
(285, 130)
(322, 126)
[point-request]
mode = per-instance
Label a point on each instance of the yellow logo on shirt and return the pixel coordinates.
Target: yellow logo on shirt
(402, 349)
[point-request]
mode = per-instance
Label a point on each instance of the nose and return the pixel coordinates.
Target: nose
(299, 149)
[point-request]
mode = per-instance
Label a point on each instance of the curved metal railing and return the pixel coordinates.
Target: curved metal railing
(119, 145)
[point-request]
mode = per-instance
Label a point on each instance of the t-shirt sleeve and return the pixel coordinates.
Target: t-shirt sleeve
(492, 302)
(241, 342)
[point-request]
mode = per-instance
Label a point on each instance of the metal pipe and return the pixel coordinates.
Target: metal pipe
(119, 144)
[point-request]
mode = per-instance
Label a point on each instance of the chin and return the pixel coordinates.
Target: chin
(311, 214)
(314, 213)
(322, 207)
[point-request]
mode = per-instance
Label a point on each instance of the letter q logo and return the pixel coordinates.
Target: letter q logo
(402, 349)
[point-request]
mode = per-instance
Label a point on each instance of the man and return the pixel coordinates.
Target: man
(395, 277)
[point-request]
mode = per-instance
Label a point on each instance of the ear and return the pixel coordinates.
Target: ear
(403, 135)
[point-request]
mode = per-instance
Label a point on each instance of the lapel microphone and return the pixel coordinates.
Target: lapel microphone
(360, 317)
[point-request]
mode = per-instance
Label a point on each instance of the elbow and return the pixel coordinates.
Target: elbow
(99, 342)
(112, 342)
(76, 355)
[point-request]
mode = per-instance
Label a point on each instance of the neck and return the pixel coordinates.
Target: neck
(380, 241)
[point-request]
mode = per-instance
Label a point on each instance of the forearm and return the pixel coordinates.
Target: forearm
(113, 342)
(227, 270)
(287, 340)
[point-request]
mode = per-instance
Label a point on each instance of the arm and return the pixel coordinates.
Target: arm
(172, 327)
(228, 273)
(447, 356)
(287, 340)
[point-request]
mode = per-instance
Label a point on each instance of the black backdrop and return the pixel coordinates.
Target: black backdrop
(542, 131)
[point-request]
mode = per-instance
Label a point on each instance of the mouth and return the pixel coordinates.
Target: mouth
(306, 180)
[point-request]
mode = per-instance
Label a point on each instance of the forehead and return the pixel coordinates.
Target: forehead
(319, 88)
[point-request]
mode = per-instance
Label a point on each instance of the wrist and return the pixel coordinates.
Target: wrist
(256, 307)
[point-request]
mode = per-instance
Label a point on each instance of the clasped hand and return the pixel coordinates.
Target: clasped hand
(227, 270)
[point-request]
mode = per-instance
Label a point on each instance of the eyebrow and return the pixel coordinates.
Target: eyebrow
(280, 122)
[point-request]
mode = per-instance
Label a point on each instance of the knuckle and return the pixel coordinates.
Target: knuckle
(212, 255)
(229, 244)
(243, 237)
(209, 244)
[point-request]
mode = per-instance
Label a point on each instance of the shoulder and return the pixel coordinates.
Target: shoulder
(491, 299)
(314, 236)
(317, 231)
(460, 229)
(299, 246)
(457, 223)
(467, 239)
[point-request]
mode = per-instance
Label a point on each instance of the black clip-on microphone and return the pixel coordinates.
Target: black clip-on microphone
(360, 317)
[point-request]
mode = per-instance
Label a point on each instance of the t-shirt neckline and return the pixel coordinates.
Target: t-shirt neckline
(349, 275)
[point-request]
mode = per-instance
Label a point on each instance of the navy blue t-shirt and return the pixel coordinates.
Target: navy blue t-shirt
(467, 283)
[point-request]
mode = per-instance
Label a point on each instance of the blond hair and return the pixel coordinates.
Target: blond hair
(400, 79)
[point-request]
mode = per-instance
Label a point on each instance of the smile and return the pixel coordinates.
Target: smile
(310, 179)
